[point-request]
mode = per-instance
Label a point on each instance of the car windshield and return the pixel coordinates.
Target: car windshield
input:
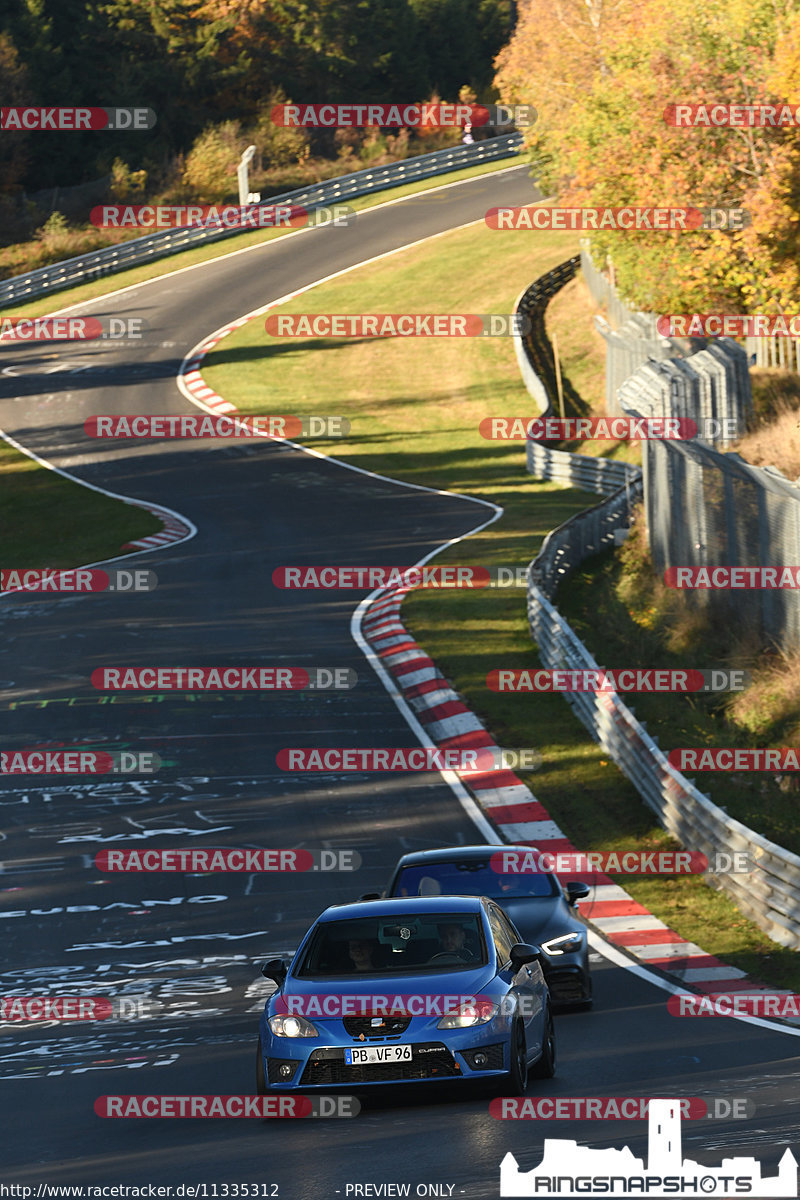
(471, 877)
(403, 943)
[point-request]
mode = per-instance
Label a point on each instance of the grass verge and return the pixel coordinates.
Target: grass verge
(89, 527)
(415, 412)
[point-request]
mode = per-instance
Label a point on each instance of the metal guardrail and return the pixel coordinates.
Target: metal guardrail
(769, 894)
(109, 260)
(533, 349)
(603, 475)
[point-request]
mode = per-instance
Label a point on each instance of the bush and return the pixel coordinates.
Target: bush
(277, 145)
(210, 170)
(125, 183)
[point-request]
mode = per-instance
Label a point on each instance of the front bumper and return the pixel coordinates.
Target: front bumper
(569, 983)
(461, 1054)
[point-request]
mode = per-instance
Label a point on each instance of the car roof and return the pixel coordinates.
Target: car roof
(411, 904)
(462, 853)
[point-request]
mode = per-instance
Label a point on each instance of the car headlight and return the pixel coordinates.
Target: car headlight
(469, 1015)
(564, 944)
(292, 1027)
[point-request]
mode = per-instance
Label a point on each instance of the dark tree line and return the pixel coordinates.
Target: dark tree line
(200, 63)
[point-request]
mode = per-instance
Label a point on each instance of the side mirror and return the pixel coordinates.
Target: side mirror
(371, 896)
(522, 953)
(576, 892)
(275, 969)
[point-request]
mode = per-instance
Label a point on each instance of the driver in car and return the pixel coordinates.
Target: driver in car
(453, 940)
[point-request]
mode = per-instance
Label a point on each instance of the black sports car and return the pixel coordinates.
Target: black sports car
(543, 911)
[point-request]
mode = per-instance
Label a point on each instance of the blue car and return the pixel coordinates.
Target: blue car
(412, 990)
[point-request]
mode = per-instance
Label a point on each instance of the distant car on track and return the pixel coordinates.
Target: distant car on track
(536, 903)
(386, 992)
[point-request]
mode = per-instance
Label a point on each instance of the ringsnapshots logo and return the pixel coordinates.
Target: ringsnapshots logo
(631, 220)
(618, 862)
(228, 859)
(78, 580)
(412, 116)
(223, 679)
(734, 116)
(72, 329)
(167, 426)
(567, 1169)
(209, 1107)
(620, 679)
(478, 761)
(387, 325)
(44, 761)
(63, 120)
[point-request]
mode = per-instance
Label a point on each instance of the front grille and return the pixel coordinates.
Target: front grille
(389, 1027)
(494, 1057)
(430, 1061)
(273, 1069)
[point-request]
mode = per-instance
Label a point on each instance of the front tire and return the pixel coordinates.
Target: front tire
(261, 1082)
(518, 1075)
(545, 1068)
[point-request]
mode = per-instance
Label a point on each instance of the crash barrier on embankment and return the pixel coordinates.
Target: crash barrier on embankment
(133, 253)
(533, 349)
(709, 377)
(706, 509)
(770, 893)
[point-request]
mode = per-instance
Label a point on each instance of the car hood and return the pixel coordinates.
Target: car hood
(450, 983)
(542, 918)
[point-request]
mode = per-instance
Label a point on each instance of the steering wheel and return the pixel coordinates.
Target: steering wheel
(451, 954)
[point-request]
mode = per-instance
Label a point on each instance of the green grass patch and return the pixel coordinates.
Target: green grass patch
(49, 521)
(415, 406)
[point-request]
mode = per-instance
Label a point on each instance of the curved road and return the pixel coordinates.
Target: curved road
(193, 943)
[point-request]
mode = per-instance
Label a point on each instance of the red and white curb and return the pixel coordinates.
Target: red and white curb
(520, 818)
(193, 380)
(176, 529)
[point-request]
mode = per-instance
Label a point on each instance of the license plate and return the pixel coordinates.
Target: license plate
(356, 1055)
